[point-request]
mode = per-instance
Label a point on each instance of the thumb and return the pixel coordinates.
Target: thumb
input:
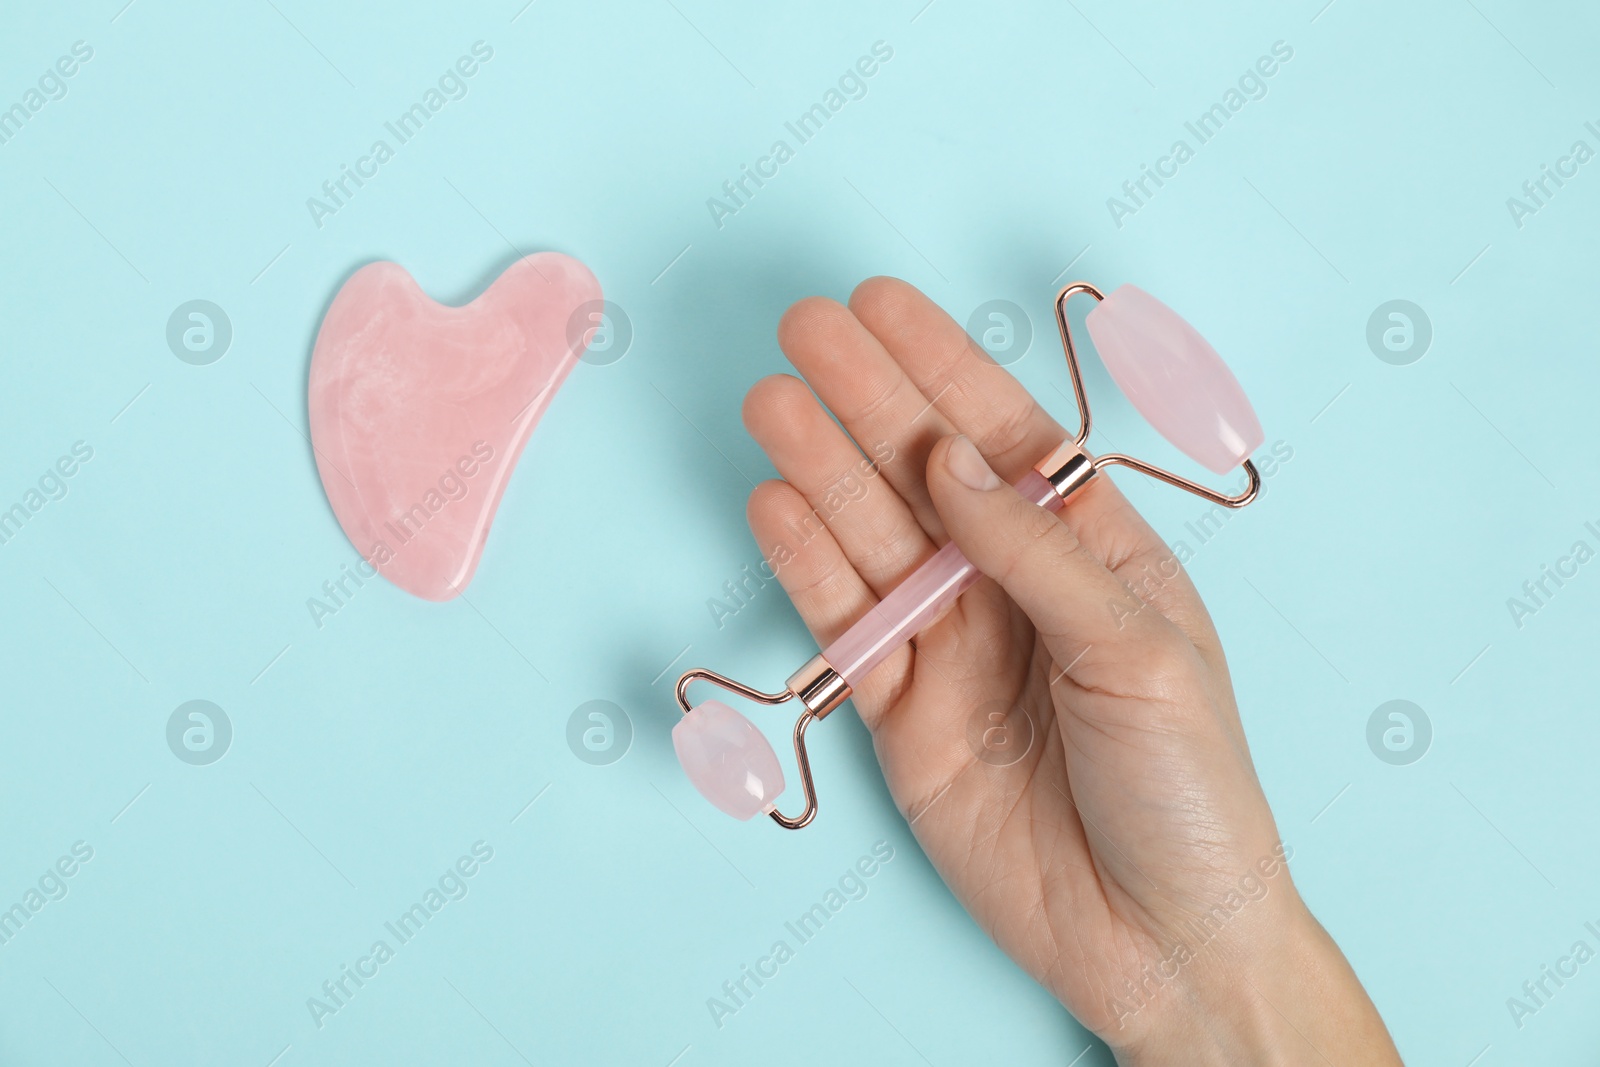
(1088, 617)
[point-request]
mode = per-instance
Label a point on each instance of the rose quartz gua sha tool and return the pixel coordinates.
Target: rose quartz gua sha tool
(419, 411)
(1176, 381)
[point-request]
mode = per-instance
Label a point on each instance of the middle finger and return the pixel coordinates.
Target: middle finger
(870, 393)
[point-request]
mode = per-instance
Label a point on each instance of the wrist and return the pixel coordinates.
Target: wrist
(1277, 992)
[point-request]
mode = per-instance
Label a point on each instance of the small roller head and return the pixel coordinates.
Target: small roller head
(1175, 379)
(729, 761)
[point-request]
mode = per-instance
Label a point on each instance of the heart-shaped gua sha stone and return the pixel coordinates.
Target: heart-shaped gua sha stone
(419, 411)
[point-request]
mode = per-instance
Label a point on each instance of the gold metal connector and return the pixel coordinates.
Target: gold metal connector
(819, 687)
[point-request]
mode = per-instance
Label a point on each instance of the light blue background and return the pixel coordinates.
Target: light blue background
(370, 754)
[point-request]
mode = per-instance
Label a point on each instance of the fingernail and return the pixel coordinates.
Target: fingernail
(969, 468)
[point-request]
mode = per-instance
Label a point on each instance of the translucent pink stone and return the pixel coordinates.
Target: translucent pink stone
(918, 600)
(419, 411)
(1175, 379)
(728, 760)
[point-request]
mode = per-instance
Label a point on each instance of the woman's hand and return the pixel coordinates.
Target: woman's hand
(1064, 741)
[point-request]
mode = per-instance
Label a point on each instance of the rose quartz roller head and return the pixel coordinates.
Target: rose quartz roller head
(1175, 380)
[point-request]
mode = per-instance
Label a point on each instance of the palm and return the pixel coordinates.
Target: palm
(1055, 797)
(1082, 847)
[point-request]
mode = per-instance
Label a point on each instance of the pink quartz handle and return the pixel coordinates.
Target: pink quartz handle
(918, 600)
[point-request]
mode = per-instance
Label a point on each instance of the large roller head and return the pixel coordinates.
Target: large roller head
(1175, 379)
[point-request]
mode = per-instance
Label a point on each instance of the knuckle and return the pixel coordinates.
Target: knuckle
(883, 393)
(1167, 660)
(1013, 430)
(812, 585)
(884, 557)
(1039, 537)
(1168, 672)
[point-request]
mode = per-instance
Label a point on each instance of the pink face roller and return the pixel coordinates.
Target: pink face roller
(1176, 381)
